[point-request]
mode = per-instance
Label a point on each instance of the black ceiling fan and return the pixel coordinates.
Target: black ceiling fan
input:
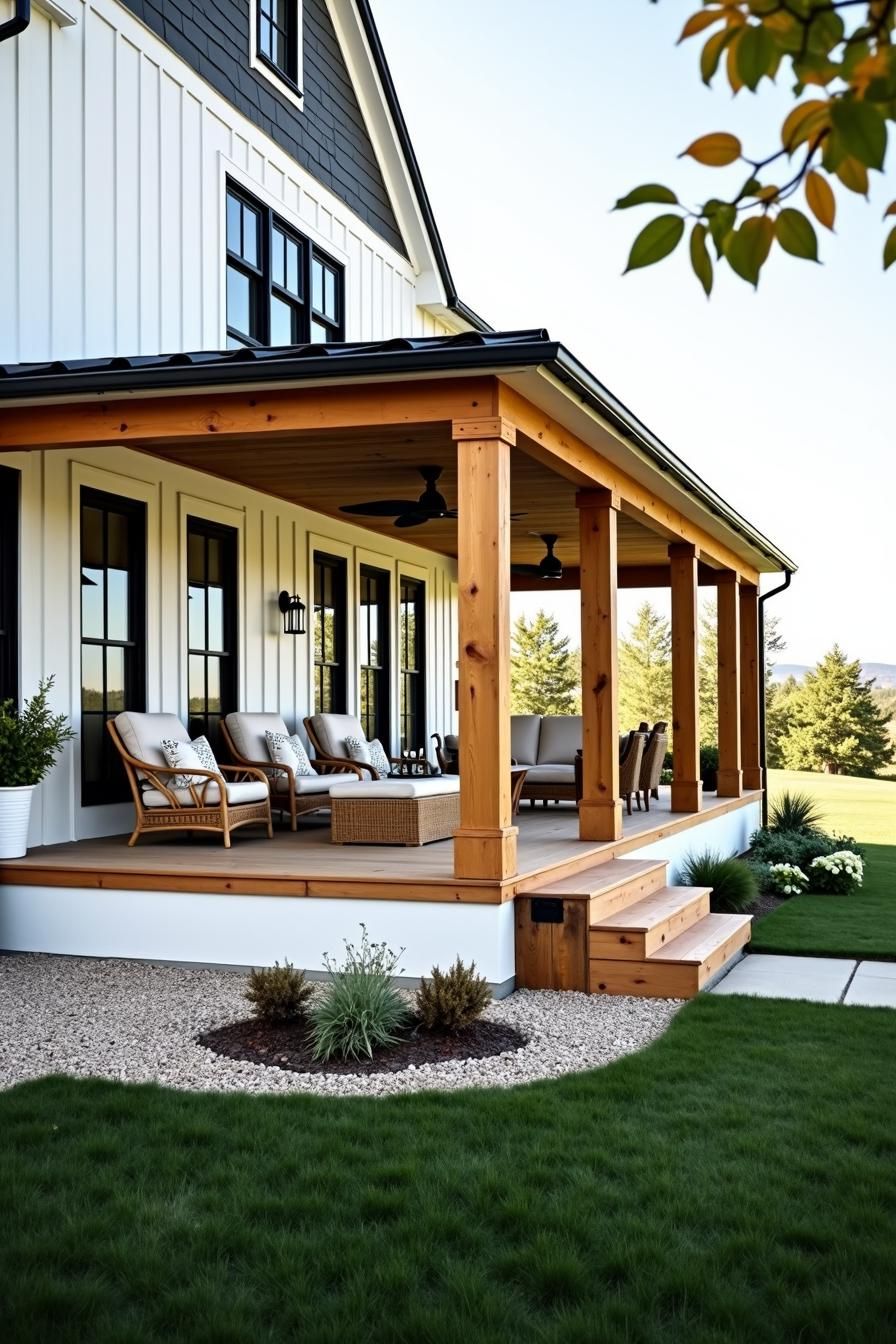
(410, 512)
(549, 567)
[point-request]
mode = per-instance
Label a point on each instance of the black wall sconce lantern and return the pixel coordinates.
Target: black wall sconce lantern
(293, 609)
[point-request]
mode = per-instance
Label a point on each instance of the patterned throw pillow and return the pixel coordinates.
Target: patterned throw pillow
(184, 755)
(369, 753)
(285, 750)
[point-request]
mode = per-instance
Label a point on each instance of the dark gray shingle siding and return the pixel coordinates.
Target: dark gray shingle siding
(328, 138)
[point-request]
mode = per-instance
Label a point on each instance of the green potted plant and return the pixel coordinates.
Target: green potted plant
(30, 741)
(709, 768)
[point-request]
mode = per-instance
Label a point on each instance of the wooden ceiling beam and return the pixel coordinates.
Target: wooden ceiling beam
(627, 576)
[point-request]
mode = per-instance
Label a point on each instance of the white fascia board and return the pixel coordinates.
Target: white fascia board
(386, 145)
(58, 14)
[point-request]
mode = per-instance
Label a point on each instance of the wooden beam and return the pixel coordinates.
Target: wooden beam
(600, 808)
(557, 447)
(730, 776)
(485, 843)
(751, 673)
(687, 790)
(627, 576)
(203, 416)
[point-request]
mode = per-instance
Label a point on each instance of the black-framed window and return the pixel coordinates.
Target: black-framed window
(373, 652)
(412, 662)
(113, 633)
(9, 583)
(212, 660)
(277, 32)
(281, 290)
(330, 596)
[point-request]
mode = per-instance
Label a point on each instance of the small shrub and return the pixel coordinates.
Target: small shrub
(450, 1000)
(785, 879)
(709, 767)
(31, 738)
(360, 1009)
(278, 993)
(836, 874)
(733, 882)
(798, 847)
(794, 812)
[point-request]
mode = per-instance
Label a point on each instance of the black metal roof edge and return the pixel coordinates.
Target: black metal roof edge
(468, 351)
(455, 303)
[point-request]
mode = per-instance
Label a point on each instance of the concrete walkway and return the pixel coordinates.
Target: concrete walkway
(820, 979)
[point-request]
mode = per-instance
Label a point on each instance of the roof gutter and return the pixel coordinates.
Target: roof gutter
(19, 21)
(763, 736)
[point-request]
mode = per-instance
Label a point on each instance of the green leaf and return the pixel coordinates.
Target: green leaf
(890, 249)
(721, 217)
(657, 240)
(747, 249)
(650, 194)
(712, 53)
(862, 130)
(796, 235)
(700, 258)
(755, 55)
(825, 31)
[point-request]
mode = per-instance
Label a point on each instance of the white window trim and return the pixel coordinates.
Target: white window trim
(267, 71)
(58, 14)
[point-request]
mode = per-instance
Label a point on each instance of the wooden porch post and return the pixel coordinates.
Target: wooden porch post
(485, 843)
(600, 808)
(687, 790)
(730, 778)
(751, 672)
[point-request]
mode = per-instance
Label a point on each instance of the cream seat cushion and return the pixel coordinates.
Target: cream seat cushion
(248, 733)
(551, 774)
(306, 784)
(561, 738)
(251, 791)
(331, 730)
(142, 734)
(398, 788)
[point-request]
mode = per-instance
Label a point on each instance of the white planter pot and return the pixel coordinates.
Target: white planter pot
(15, 814)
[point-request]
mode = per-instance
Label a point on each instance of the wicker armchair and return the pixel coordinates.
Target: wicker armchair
(447, 751)
(213, 801)
(327, 734)
(630, 754)
(652, 765)
(244, 737)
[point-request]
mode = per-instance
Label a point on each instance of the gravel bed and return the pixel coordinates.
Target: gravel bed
(136, 1022)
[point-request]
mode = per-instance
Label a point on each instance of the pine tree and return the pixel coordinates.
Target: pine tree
(544, 671)
(834, 724)
(645, 670)
(778, 706)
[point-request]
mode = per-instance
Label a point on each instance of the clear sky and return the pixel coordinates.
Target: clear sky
(529, 120)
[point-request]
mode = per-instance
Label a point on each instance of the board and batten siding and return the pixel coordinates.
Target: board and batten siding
(113, 155)
(276, 543)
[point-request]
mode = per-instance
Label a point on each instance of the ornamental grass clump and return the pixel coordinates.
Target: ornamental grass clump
(786, 879)
(733, 882)
(837, 874)
(794, 812)
(360, 1010)
(278, 993)
(450, 1000)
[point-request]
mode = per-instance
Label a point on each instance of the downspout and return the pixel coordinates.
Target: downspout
(19, 21)
(763, 754)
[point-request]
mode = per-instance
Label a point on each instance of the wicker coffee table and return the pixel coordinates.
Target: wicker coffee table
(395, 811)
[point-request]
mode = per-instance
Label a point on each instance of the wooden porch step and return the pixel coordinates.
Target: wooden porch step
(643, 928)
(680, 968)
(608, 887)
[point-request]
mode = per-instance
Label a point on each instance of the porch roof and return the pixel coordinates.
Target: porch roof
(529, 361)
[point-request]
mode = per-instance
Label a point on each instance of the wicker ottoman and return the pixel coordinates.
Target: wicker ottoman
(395, 811)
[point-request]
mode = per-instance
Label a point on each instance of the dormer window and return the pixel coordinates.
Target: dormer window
(277, 43)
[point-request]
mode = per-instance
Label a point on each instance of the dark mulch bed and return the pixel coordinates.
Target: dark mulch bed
(766, 902)
(286, 1045)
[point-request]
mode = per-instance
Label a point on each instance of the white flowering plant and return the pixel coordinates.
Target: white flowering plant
(786, 879)
(837, 874)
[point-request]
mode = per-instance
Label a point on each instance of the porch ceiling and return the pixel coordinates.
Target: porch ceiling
(324, 469)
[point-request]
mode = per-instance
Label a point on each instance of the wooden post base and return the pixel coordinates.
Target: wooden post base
(730, 784)
(485, 853)
(752, 777)
(600, 819)
(687, 795)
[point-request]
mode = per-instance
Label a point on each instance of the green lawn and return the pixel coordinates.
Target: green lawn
(734, 1182)
(861, 925)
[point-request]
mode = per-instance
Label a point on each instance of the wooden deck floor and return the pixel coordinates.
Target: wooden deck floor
(308, 864)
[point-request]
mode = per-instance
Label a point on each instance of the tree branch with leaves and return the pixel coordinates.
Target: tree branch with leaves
(835, 136)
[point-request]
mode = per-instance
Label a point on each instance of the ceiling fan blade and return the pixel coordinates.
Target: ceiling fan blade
(412, 519)
(532, 571)
(380, 508)
(515, 516)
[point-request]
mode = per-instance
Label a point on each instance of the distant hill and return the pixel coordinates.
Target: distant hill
(884, 673)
